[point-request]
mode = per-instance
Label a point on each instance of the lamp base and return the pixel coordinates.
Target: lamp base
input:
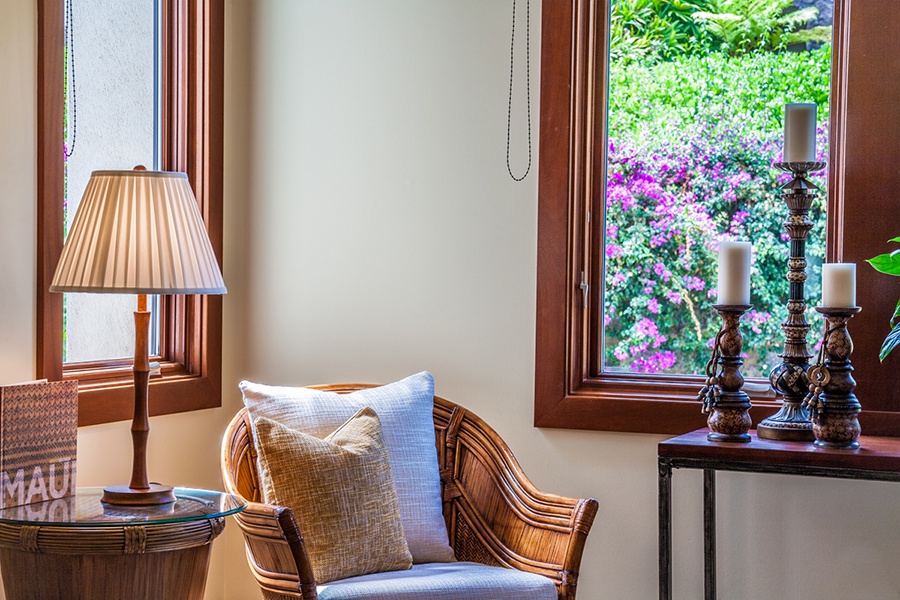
(128, 496)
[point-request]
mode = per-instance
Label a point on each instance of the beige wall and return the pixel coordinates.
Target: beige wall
(372, 231)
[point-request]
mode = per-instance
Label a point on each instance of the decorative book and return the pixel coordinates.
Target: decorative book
(38, 438)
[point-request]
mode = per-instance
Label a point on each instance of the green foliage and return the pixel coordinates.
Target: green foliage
(744, 26)
(893, 338)
(661, 30)
(692, 141)
(889, 264)
(653, 29)
(646, 97)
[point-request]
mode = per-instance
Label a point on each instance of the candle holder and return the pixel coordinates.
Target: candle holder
(728, 406)
(789, 379)
(833, 404)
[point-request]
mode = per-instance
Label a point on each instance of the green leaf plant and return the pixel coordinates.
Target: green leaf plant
(889, 264)
(744, 26)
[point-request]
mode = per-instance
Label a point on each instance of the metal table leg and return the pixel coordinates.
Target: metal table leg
(665, 530)
(709, 534)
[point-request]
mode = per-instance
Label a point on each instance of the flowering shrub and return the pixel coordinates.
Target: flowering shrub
(691, 144)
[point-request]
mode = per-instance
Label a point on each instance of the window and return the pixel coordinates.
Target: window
(572, 389)
(694, 122)
(111, 122)
(190, 140)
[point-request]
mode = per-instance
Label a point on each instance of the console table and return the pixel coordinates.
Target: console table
(877, 458)
(76, 547)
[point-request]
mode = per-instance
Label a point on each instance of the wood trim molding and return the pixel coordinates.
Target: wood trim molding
(50, 73)
(865, 196)
(570, 389)
(193, 117)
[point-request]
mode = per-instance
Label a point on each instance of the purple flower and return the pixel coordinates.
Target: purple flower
(659, 239)
(739, 217)
(653, 306)
(693, 283)
(738, 179)
(646, 328)
(654, 363)
(661, 271)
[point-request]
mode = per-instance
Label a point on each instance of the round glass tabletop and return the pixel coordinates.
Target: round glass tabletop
(84, 509)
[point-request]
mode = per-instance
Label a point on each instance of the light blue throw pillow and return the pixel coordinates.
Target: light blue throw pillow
(405, 410)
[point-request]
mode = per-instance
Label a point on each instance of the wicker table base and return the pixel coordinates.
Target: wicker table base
(173, 574)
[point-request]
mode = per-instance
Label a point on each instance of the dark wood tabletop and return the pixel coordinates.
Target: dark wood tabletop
(874, 453)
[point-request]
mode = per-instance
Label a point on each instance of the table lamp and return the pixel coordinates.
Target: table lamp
(138, 232)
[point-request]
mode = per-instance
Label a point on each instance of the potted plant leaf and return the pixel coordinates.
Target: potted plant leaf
(890, 264)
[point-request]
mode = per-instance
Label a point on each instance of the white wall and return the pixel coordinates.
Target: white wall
(17, 189)
(372, 231)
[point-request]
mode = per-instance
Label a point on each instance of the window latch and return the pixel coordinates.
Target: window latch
(584, 290)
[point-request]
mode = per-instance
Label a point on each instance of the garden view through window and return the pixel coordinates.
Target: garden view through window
(697, 90)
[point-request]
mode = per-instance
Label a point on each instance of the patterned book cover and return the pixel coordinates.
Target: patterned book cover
(38, 437)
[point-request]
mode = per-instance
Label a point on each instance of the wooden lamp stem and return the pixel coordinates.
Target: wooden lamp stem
(140, 424)
(140, 491)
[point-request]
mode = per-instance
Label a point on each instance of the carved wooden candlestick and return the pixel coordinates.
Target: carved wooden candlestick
(729, 419)
(789, 379)
(835, 422)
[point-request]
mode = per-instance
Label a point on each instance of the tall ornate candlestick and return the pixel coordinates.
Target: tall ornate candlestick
(789, 378)
(729, 419)
(835, 410)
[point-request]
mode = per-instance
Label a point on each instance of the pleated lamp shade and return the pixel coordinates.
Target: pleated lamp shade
(138, 232)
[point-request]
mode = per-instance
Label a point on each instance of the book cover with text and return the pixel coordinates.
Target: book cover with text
(38, 439)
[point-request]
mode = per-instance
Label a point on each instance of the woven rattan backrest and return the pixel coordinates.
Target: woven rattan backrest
(240, 459)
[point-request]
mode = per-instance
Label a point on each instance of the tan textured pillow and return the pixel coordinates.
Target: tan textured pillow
(406, 411)
(342, 494)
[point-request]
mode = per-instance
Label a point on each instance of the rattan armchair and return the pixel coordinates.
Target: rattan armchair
(494, 514)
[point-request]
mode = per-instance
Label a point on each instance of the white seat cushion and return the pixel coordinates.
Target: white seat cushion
(442, 581)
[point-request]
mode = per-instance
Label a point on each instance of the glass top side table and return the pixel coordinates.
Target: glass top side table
(78, 548)
(84, 509)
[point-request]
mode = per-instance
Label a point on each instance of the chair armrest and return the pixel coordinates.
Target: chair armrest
(497, 516)
(276, 552)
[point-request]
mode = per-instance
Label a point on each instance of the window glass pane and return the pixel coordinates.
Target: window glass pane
(110, 123)
(697, 90)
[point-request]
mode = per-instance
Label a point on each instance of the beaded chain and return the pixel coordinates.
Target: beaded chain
(512, 45)
(69, 148)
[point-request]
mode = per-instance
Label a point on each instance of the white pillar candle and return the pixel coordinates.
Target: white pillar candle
(799, 133)
(838, 285)
(734, 273)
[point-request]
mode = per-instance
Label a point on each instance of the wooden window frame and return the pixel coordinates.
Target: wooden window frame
(192, 141)
(568, 393)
